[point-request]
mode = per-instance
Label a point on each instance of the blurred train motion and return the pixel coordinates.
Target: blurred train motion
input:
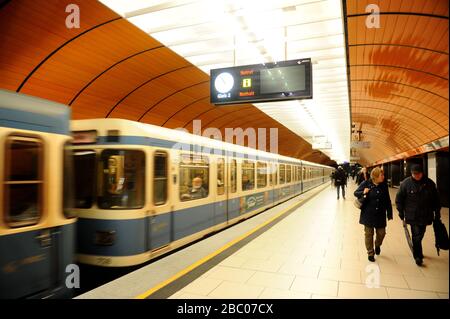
(127, 191)
(145, 190)
(37, 228)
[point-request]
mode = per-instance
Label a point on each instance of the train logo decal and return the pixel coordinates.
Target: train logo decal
(251, 202)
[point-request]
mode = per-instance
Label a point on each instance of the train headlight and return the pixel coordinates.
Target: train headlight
(105, 238)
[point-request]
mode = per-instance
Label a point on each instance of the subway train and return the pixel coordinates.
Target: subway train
(37, 226)
(143, 190)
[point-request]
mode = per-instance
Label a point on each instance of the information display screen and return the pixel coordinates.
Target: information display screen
(287, 80)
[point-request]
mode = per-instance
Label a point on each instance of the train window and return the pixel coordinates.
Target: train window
(248, 175)
(275, 174)
(23, 180)
(220, 176)
(270, 173)
(288, 173)
(194, 177)
(160, 178)
(282, 173)
(233, 173)
(261, 177)
(68, 182)
(121, 182)
(85, 177)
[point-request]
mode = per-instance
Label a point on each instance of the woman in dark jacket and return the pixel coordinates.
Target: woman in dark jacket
(377, 204)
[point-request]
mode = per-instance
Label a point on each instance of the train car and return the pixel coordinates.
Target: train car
(36, 226)
(142, 190)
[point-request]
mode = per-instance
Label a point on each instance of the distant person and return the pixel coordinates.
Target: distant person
(418, 204)
(246, 183)
(197, 190)
(377, 205)
(362, 176)
(340, 181)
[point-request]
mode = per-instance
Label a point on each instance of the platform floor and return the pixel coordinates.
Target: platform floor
(318, 252)
(315, 251)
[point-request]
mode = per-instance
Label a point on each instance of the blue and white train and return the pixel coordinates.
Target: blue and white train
(37, 228)
(143, 190)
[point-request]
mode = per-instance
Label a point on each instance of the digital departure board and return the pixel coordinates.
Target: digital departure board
(286, 80)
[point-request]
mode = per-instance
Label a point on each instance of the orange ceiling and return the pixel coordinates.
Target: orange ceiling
(398, 75)
(109, 68)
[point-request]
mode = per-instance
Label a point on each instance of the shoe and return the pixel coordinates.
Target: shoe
(377, 250)
(419, 261)
(371, 258)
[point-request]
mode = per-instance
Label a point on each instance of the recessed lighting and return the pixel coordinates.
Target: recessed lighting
(290, 9)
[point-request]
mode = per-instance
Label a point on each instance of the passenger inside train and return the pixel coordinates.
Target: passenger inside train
(246, 183)
(196, 191)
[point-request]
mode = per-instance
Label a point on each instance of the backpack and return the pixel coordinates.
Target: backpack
(441, 235)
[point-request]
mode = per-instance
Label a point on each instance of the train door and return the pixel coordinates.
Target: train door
(221, 200)
(271, 176)
(233, 205)
(160, 216)
(27, 257)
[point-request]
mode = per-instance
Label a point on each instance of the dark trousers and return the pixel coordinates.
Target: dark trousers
(417, 233)
(343, 190)
(368, 234)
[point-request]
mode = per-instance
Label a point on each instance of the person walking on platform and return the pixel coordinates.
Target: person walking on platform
(376, 207)
(340, 181)
(418, 205)
(362, 176)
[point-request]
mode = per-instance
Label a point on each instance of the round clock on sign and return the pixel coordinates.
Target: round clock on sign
(224, 82)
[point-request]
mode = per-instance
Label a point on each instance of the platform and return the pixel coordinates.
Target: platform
(311, 246)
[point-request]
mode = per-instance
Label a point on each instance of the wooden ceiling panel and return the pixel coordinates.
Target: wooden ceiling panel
(427, 7)
(40, 26)
(179, 118)
(110, 68)
(389, 119)
(398, 74)
(207, 118)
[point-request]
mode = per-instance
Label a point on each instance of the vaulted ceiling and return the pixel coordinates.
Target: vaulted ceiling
(110, 68)
(398, 75)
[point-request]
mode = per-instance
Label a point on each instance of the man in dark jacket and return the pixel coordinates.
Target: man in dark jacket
(340, 181)
(418, 205)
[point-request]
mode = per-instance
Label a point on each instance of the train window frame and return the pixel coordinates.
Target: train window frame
(275, 174)
(288, 173)
(248, 169)
(95, 177)
(282, 168)
(100, 182)
(220, 188)
(264, 164)
(205, 164)
(233, 182)
(270, 174)
(166, 178)
(68, 182)
(9, 140)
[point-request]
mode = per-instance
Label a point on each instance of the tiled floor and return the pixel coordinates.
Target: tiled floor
(318, 252)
